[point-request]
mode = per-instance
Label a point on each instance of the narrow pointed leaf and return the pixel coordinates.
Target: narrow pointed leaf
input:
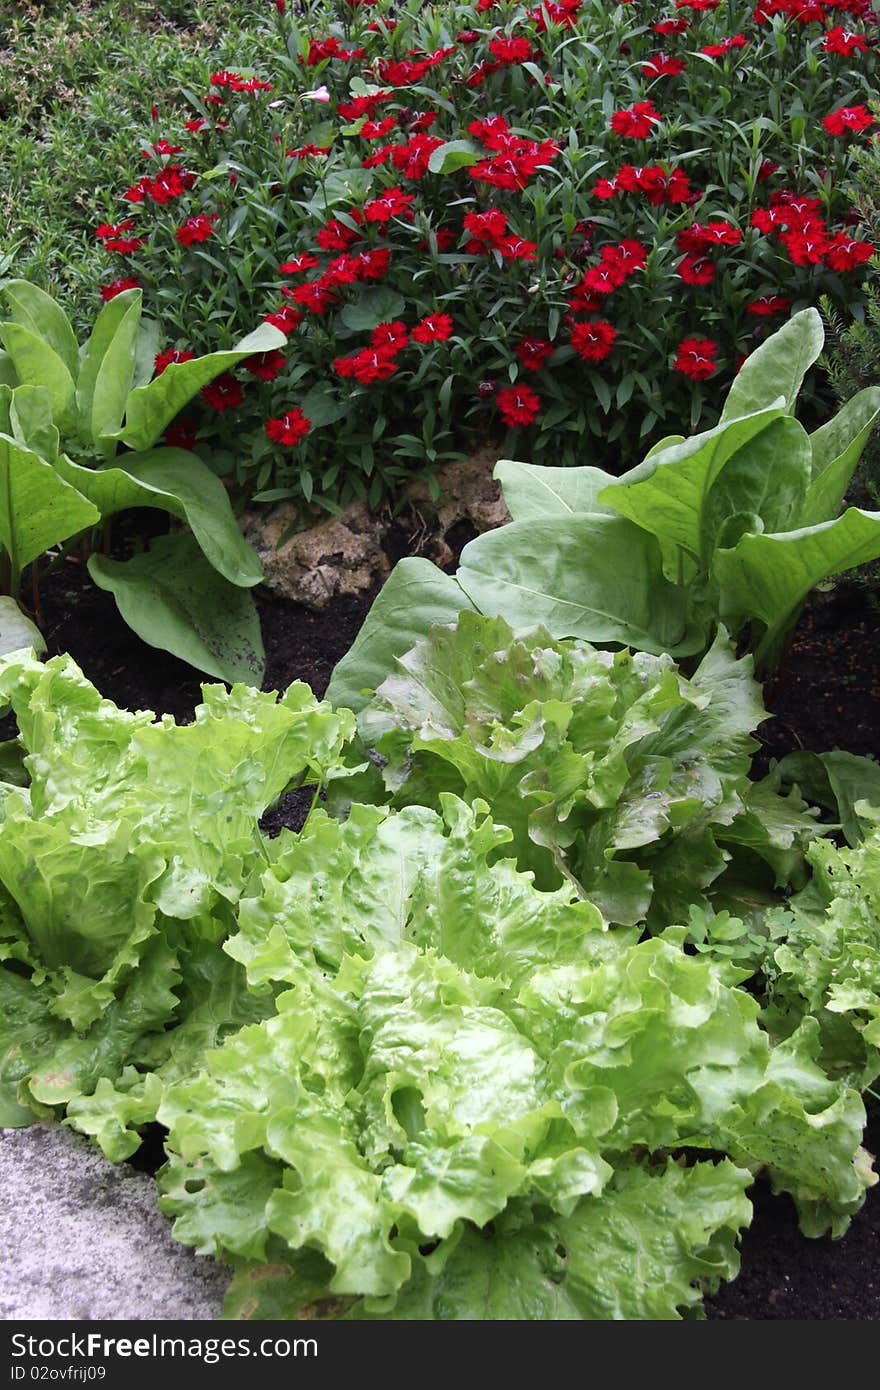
(108, 367)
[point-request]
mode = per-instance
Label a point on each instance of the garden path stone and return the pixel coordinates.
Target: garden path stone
(84, 1239)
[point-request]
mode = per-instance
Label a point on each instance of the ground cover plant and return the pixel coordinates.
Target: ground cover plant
(77, 426)
(734, 525)
(439, 1091)
(565, 220)
(81, 85)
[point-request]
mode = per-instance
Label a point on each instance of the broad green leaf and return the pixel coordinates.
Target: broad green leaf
(8, 375)
(376, 304)
(37, 311)
(777, 368)
(174, 599)
(322, 407)
(30, 420)
(27, 1032)
(107, 371)
(176, 481)
(5, 408)
(838, 781)
(37, 507)
(149, 409)
(668, 493)
(37, 364)
(767, 478)
(454, 154)
(837, 448)
(415, 597)
(765, 579)
(533, 491)
(567, 576)
(17, 631)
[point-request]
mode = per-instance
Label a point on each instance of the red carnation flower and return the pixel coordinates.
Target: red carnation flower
(671, 26)
(696, 358)
(315, 295)
(286, 318)
(265, 365)
(389, 335)
(223, 394)
(290, 429)
(636, 122)
(696, 270)
(840, 40)
(661, 65)
(118, 287)
(533, 353)
(170, 357)
(855, 118)
(593, 341)
(196, 229)
(369, 365)
(336, 236)
(298, 264)
(434, 328)
(518, 405)
(843, 253)
(769, 304)
(182, 434)
(510, 50)
(392, 203)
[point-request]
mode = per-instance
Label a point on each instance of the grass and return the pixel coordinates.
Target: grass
(77, 84)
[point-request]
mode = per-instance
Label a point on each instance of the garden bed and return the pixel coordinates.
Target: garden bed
(827, 694)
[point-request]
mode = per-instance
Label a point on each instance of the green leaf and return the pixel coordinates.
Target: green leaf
(766, 579)
(174, 599)
(766, 479)
(838, 781)
(30, 420)
(566, 576)
(37, 364)
(667, 495)
(533, 491)
(777, 368)
(415, 597)
(37, 507)
(374, 305)
(176, 481)
(454, 154)
(107, 371)
(38, 312)
(837, 448)
(17, 631)
(149, 409)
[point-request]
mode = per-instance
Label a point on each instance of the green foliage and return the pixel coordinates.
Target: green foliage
(183, 595)
(735, 525)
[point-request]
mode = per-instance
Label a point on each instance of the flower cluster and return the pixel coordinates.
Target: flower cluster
(547, 213)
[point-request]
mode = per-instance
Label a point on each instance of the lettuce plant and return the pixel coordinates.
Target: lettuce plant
(734, 526)
(65, 410)
(466, 1100)
(125, 846)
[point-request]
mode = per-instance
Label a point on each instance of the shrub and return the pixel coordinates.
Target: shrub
(557, 219)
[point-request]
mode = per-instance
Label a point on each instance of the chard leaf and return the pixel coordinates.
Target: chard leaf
(837, 447)
(531, 490)
(778, 367)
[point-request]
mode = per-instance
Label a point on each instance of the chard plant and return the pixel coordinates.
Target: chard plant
(78, 426)
(734, 526)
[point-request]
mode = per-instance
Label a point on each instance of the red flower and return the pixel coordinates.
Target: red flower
(767, 169)
(696, 270)
(593, 341)
(696, 358)
(265, 365)
(196, 229)
(486, 229)
(369, 365)
(518, 405)
(182, 433)
(286, 318)
(392, 336)
(392, 203)
(769, 304)
(434, 328)
(513, 248)
(336, 236)
(840, 40)
(362, 106)
(627, 256)
(661, 65)
(845, 254)
(298, 264)
(374, 130)
(371, 265)
(805, 248)
(169, 357)
(533, 353)
(636, 122)
(698, 238)
(118, 287)
(719, 50)
(671, 26)
(290, 429)
(223, 394)
(124, 245)
(489, 132)
(108, 229)
(315, 295)
(510, 50)
(306, 151)
(855, 118)
(412, 158)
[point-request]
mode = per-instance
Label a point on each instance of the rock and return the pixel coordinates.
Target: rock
(469, 494)
(347, 554)
(83, 1239)
(336, 555)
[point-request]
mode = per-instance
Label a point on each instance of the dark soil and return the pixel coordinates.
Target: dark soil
(826, 695)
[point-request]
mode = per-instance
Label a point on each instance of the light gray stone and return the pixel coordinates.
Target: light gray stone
(83, 1239)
